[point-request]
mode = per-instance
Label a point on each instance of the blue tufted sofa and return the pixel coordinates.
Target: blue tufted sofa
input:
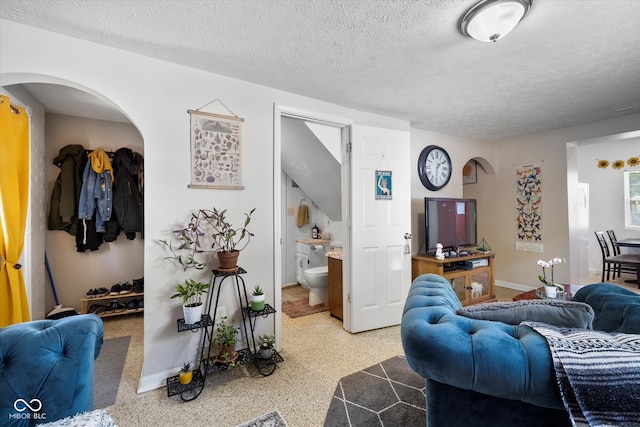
(487, 373)
(46, 369)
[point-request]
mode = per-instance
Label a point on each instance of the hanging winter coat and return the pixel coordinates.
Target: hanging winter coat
(66, 190)
(127, 199)
(96, 194)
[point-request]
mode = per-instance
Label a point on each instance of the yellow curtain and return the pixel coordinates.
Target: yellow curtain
(14, 192)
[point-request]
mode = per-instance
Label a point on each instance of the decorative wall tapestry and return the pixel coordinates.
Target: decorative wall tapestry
(216, 151)
(529, 208)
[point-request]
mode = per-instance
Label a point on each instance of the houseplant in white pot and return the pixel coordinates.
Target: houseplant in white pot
(191, 294)
(551, 288)
(209, 230)
(266, 344)
(257, 299)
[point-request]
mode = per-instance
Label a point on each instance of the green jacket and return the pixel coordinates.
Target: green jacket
(63, 211)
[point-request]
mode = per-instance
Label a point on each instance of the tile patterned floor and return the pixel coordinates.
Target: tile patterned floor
(387, 394)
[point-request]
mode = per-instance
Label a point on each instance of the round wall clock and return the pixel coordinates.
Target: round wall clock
(434, 167)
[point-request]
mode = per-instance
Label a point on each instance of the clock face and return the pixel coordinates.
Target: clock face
(434, 167)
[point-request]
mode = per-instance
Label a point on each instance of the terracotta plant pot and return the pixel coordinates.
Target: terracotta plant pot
(232, 355)
(228, 260)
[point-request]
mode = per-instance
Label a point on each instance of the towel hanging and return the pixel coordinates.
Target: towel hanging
(303, 213)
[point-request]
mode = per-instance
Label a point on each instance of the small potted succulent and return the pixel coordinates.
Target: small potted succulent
(266, 344)
(257, 299)
(191, 294)
(186, 374)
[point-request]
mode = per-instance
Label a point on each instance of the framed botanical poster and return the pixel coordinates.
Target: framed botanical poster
(383, 185)
(216, 151)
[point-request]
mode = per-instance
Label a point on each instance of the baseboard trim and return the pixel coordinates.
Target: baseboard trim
(515, 286)
(154, 381)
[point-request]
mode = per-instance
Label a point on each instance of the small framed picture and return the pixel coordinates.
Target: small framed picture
(470, 172)
(383, 185)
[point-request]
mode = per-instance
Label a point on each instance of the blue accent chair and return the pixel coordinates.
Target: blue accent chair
(46, 369)
(487, 373)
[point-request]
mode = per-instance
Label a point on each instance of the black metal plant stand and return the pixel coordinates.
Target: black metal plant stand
(209, 363)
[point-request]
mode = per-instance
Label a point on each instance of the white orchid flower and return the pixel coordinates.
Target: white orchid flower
(543, 264)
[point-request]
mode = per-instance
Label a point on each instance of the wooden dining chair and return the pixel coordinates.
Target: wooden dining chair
(611, 262)
(620, 268)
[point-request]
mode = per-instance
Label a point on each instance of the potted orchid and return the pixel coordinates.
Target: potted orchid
(550, 287)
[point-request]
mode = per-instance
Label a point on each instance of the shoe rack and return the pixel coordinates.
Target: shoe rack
(120, 298)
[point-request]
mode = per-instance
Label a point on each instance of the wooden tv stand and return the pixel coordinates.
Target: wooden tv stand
(472, 286)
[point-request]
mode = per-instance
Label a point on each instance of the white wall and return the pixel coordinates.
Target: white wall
(121, 261)
(461, 150)
(606, 189)
(156, 95)
(513, 267)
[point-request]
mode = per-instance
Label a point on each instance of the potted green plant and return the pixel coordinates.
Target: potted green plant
(226, 337)
(191, 294)
(257, 299)
(186, 374)
(210, 228)
(266, 344)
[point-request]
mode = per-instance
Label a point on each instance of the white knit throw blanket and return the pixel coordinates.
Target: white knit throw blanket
(598, 374)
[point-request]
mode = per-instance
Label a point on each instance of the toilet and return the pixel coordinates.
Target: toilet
(317, 281)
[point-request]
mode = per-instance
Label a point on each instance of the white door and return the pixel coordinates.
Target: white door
(380, 274)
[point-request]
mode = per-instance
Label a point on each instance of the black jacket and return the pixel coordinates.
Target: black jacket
(127, 197)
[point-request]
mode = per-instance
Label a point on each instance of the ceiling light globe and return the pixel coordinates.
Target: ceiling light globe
(491, 20)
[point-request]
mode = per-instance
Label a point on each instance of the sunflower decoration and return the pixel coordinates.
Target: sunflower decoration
(632, 162)
(603, 164)
(617, 164)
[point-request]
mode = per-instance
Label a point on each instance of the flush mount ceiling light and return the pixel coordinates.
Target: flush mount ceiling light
(490, 20)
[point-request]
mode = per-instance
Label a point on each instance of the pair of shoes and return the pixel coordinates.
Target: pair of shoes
(132, 305)
(141, 304)
(115, 289)
(138, 285)
(126, 288)
(94, 293)
(115, 306)
(96, 309)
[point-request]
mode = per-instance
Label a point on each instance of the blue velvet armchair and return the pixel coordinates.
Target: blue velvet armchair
(46, 369)
(489, 373)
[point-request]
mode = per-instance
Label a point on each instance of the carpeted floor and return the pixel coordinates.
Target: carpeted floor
(108, 371)
(301, 307)
(388, 394)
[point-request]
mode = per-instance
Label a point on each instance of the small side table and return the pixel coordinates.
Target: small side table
(569, 290)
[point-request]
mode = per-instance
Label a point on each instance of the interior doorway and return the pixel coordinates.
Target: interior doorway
(63, 114)
(280, 181)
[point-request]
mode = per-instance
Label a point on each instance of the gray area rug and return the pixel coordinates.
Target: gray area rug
(272, 419)
(108, 371)
(389, 394)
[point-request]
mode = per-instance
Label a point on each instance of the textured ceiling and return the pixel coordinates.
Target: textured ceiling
(569, 62)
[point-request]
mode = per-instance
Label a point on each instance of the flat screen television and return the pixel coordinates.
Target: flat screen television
(452, 222)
